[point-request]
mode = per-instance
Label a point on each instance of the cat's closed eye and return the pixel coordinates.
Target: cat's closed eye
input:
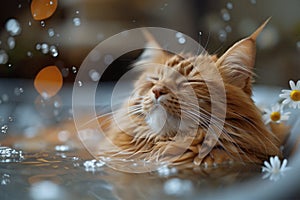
(152, 78)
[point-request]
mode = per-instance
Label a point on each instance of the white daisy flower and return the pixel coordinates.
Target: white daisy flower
(274, 170)
(292, 97)
(275, 114)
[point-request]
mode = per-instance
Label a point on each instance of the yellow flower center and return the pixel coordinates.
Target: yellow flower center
(275, 116)
(295, 95)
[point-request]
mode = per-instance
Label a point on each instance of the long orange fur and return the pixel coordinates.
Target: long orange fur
(174, 79)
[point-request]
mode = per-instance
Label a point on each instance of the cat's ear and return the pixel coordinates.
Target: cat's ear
(152, 52)
(236, 64)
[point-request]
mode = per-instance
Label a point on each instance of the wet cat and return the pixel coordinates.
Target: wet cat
(193, 110)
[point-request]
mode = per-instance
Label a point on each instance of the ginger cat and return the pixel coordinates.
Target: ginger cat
(170, 116)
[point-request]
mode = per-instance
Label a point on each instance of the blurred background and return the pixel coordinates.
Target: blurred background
(30, 122)
(77, 26)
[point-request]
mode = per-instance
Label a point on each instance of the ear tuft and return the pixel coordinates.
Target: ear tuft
(152, 53)
(236, 64)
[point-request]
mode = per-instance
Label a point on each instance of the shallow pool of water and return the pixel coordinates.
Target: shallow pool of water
(74, 175)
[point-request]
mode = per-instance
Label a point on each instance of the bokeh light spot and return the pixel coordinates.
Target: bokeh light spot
(48, 81)
(43, 9)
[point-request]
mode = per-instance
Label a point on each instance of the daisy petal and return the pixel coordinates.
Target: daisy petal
(276, 163)
(292, 85)
(283, 166)
(267, 165)
(286, 101)
(272, 162)
(266, 175)
(298, 84)
(285, 94)
(286, 91)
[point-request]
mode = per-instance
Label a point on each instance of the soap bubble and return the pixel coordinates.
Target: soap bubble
(3, 57)
(94, 75)
(51, 32)
(225, 15)
(11, 42)
(76, 21)
(13, 27)
(222, 35)
(53, 51)
(229, 5)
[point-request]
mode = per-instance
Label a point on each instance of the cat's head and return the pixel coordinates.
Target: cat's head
(173, 92)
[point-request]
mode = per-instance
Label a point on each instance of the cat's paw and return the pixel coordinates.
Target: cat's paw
(214, 158)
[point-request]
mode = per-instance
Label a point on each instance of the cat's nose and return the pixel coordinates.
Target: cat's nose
(159, 91)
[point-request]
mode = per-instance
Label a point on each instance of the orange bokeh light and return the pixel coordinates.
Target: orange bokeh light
(43, 9)
(48, 81)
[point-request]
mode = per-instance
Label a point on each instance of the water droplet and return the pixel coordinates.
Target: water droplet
(18, 91)
(5, 179)
(51, 32)
(225, 15)
(9, 65)
(93, 165)
(29, 23)
(80, 83)
(65, 72)
(178, 187)
(53, 51)
(4, 129)
(3, 57)
(222, 35)
(74, 69)
(94, 75)
(181, 40)
(179, 35)
(76, 21)
(133, 21)
(63, 136)
(13, 27)
(11, 119)
(298, 45)
(20, 5)
(253, 1)
(45, 95)
(8, 154)
(228, 29)
(108, 59)
(29, 54)
(62, 148)
(5, 98)
(11, 42)
(229, 5)
(77, 12)
(43, 24)
(38, 46)
(165, 171)
(45, 48)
